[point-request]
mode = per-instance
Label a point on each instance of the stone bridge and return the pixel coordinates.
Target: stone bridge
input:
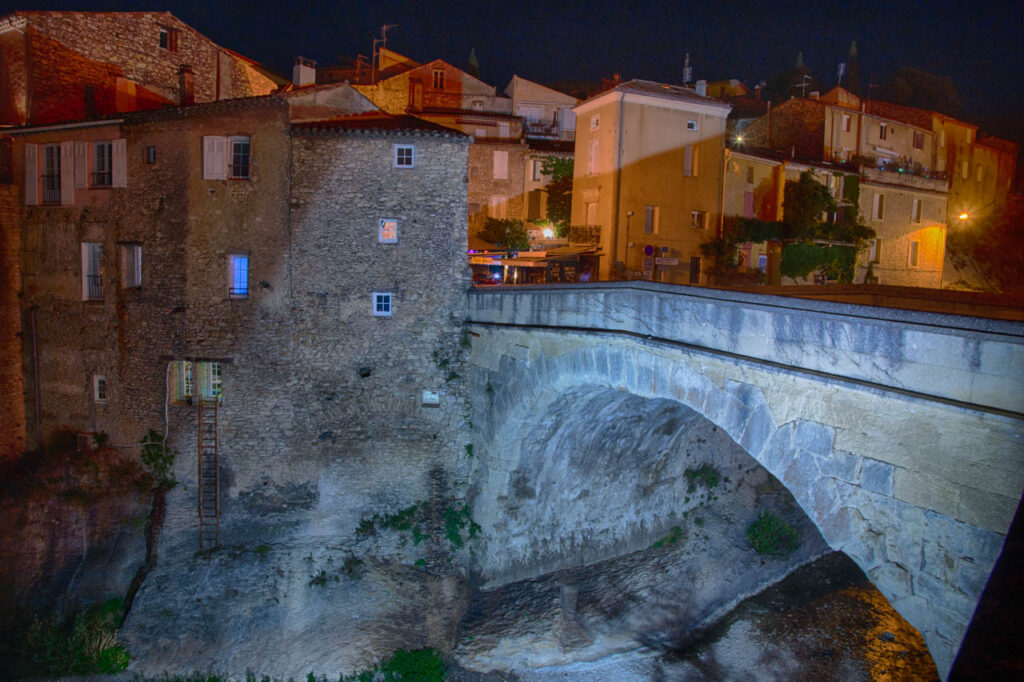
(898, 433)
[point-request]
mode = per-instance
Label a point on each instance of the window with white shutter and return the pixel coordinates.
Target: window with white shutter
(215, 159)
(501, 165)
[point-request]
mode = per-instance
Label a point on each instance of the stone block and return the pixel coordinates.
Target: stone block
(813, 437)
(866, 548)
(949, 625)
(985, 509)
(876, 476)
(841, 465)
(760, 427)
(971, 578)
(938, 562)
(926, 491)
(892, 580)
(917, 610)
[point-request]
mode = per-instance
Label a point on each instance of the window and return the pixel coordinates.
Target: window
(915, 211)
(883, 131)
(595, 121)
(537, 165)
(690, 160)
(238, 276)
(981, 173)
(698, 220)
(99, 388)
(942, 139)
(835, 184)
(150, 154)
(750, 175)
(501, 165)
(102, 175)
(846, 123)
(209, 376)
(967, 137)
(381, 304)
(184, 380)
(438, 79)
(762, 262)
(595, 149)
(568, 119)
(405, 156)
(695, 270)
(591, 210)
(915, 252)
(964, 169)
(504, 130)
(651, 215)
(480, 133)
(211, 381)
(131, 265)
(51, 174)
(691, 124)
(239, 168)
(168, 38)
(92, 267)
(878, 210)
(388, 231)
(875, 250)
(918, 139)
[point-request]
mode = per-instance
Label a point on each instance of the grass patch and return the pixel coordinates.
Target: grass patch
(769, 534)
(421, 665)
(703, 475)
(85, 644)
(457, 520)
(675, 534)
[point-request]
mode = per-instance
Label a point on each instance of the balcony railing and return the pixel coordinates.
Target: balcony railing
(51, 189)
(94, 287)
(585, 234)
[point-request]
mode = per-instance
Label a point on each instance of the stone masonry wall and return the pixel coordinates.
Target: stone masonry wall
(483, 185)
(12, 386)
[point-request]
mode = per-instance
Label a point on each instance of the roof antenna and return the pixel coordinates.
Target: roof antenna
(383, 43)
(687, 70)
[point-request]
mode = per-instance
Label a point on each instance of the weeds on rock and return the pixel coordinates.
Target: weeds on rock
(704, 475)
(675, 534)
(83, 645)
(769, 534)
(158, 458)
(456, 520)
(422, 665)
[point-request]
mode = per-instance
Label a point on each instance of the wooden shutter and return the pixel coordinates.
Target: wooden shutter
(215, 159)
(31, 174)
(67, 173)
(688, 160)
(81, 165)
(118, 160)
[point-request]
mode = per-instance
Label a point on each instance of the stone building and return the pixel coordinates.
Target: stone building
(648, 171)
(66, 66)
(298, 278)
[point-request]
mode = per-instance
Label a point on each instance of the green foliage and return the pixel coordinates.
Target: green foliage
(158, 458)
(559, 192)
(769, 534)
(261, 550)
(507, 233)
(805, 200)
(351, 565)
(918, 88)
(421, 665)
(457, 520)
(800, 259)
(704, 475)
(675, 534)
(469, 449)
(321, 578)
(851, 189)
(83, 645)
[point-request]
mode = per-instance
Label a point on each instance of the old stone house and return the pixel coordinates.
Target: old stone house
(64, 66)
(296, 278)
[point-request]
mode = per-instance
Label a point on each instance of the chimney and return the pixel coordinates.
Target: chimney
(757, 92)
(815, 94)
(702, 88)
(304, 72)
(186, 85)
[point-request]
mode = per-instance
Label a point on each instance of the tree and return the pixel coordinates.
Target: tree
(789, 83)
(995, 246)
(559, 190)
(508, 233)
(853, 70)
(474, 65)
(923, 90)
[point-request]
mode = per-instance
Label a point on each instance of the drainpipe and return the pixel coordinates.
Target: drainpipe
(35, 376)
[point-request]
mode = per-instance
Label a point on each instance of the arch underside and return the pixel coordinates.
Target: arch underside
(638, 411)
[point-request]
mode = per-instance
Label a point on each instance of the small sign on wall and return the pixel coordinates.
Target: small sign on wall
(431, 399)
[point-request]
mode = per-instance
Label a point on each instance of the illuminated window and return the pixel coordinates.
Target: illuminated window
(131, 265)
(846, 123)
(438, 79)
(915, 252)
(238, 276)
(878, 209)
(691, 124)
(92, 278)
(698, 220)
(595, 121)
(99, 388)
(918, 140)
(239, 160)
(500, 165)
(388, 233)
(651, 215)
(381, 304)
(405, 156)
(883, 131)
(915, 211)
(102, 175)
(762, 262)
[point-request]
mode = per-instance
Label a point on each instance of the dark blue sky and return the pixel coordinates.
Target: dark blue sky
(979, 45)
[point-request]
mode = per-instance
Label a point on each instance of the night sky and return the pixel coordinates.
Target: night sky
(980, 45)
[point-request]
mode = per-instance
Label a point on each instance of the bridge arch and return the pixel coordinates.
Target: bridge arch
(930, 566)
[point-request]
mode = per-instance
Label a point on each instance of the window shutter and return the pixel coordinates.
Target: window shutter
(500, 165)
(215, 159)
(31, 174)
(67, 173)
(119, 166)
(688, 160)
(81, 165)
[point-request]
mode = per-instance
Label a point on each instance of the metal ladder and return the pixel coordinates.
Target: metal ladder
(209, 485)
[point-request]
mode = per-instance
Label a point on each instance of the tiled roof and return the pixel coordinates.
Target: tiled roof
(676, 92)
(377, 122)
(897, 112)
(551, 146)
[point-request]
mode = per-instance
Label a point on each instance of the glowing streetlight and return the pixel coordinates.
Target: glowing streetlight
(964, 216)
